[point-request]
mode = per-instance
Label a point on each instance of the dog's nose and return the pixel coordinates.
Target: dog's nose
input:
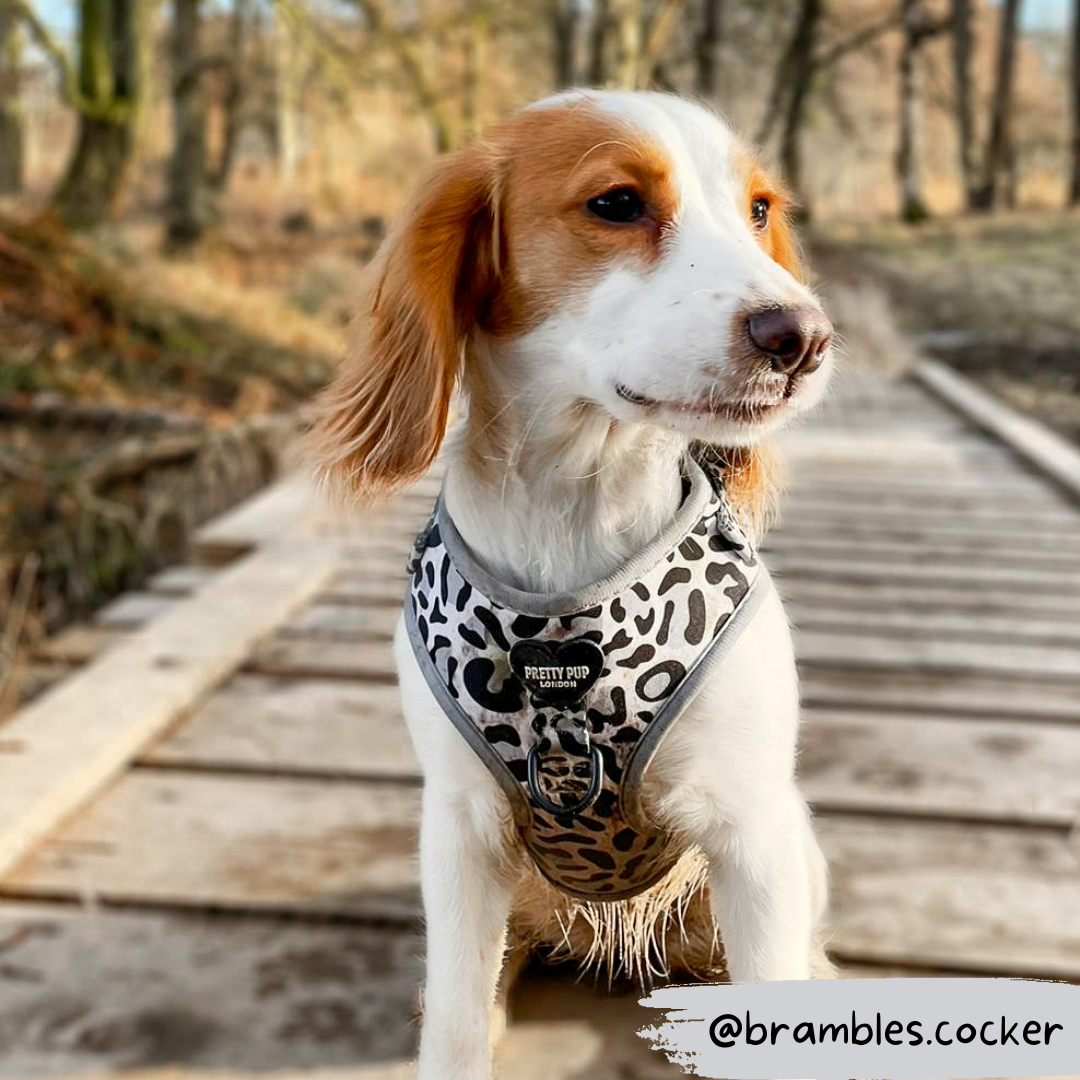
(793, 338)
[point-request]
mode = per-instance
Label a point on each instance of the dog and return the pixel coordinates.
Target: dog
(612, 281)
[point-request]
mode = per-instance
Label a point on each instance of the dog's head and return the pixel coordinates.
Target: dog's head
(608, 251)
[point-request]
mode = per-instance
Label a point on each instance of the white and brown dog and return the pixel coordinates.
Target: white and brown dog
(611, 279)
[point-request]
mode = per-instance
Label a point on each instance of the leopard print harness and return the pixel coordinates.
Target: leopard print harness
(638, 646)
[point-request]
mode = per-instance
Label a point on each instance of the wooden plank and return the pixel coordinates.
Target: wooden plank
(80, 643)
(1006, 538)
(294, 725)
(912, 596)
(1047, 451)
(236, 843)
(285, 508)
(993, 492)
(348, 621)
(837, 514)
(1011, 484)
(1027, 629)
(30, 680)
(931, 576)
(133, 609)
(352, 587)
(819, 447)
(103, 992)
(75, 737)
(943, 553)
(980, 696)
(985, 899)
(826, 566)
(300, 657)
(180, 580)
(863, 650)
(935, 765)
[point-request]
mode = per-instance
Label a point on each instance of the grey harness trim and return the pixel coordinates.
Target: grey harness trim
(688, 595)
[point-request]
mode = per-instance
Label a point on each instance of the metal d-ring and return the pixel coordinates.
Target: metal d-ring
(585, 802)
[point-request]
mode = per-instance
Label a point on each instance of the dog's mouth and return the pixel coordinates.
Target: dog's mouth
(746, 411)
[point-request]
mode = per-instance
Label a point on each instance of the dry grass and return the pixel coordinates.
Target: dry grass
(996, 297)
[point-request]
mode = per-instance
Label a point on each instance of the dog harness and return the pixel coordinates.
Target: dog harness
(566, 697)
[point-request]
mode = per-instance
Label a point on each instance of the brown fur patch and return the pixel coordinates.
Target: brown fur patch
(778, 235)
(497, 237)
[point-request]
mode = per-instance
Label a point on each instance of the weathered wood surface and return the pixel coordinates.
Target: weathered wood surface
(850, 760)
(934, 692)
(236, 842)
(975, 897)
(940, 766)
(64, 746)
(1051, 454)
(116, 991)
(294, 726)
(935, 582)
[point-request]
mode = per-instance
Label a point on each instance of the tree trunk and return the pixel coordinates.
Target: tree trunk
(234, 94)
(287, 99)
(628, 43)
(707, 48)
(565, 16)
(601, 24)
(998, 150)
(110, 93)
(909, 149)
(1074, 180)
(11, 117)
(476, 63)
(189, 202)
(962, 49)
(800, 58)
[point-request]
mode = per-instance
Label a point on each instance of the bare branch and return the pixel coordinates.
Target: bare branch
(52, 48)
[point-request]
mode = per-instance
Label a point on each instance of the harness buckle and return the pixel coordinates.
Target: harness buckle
(596, 779)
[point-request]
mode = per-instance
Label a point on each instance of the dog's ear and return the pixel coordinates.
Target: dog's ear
(383, 419)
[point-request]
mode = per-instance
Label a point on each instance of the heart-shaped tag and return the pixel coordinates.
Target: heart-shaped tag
(558, 673)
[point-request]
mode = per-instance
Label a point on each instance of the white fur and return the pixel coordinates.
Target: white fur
(584, 487)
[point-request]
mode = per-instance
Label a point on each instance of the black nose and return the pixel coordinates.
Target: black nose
(793, 338)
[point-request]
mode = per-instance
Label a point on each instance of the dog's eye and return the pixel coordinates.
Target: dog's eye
(620, 206)
(759, 212)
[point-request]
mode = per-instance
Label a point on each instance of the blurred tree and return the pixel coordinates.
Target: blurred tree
(233, 104)
(601, 26)
(627, 19)
(478, 36)
(707, 48)
(108, 96)
(917, 27)
(414, 67)
(11, 118)
(565, 17)
(656, 34)
(962, 48)
(909, 149)
(799, 63)
(1074, 179)
(998, 160)
(286, 97)
(189, 202)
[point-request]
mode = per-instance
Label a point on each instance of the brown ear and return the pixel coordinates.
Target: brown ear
(751, 479)
(383, 419)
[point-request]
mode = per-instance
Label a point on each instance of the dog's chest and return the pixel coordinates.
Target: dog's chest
(567, 698)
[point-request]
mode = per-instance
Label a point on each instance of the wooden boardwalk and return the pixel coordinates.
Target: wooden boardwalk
(207, 821)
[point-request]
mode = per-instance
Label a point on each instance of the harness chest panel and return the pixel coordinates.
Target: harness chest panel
(659, 625)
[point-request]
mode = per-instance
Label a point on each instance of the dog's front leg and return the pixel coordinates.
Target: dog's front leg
(766, 896)
(466, 904)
